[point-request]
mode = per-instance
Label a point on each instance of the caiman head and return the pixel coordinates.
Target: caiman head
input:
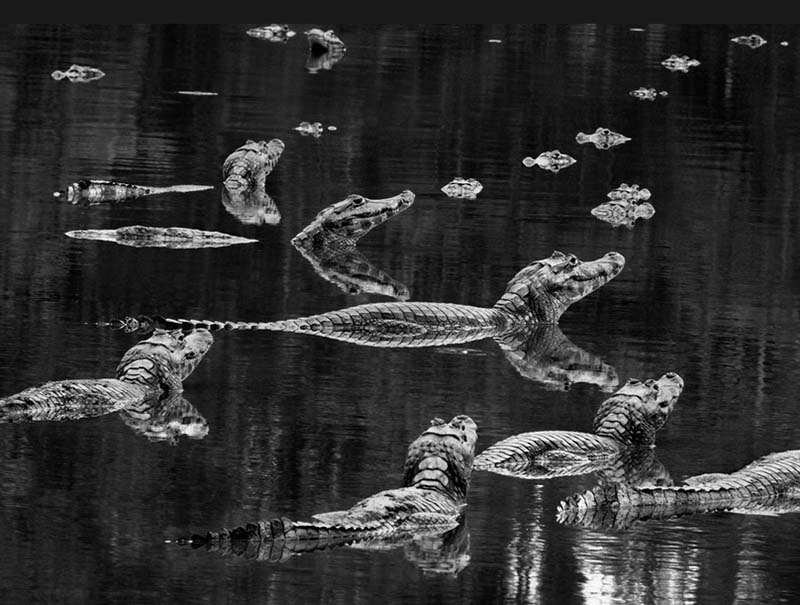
(165, 359)
(441, 458)
(543, 290)
(352, 218)
(638, 409)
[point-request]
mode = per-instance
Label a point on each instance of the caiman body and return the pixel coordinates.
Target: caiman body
(629, 418)
(431, 501)
(538, 294)
(247, 167)
(152, 368)
(769, 485)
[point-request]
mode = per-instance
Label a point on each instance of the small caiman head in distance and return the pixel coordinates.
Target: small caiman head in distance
(352, 218)
(543, 290)
(441, 458)
(165, 359)
(638, 409)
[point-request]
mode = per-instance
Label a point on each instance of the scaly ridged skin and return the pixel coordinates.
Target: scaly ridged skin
(769, 484)
(140, 236)
(629, 418)
(148, 369)
(539, 293)
(437, 475)
(248, 166)
(165, 419)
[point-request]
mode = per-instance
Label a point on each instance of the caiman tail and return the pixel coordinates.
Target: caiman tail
(279, 539)
(769, 484)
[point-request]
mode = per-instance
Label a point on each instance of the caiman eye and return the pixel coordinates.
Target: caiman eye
(190, 355)
(573, 260)
(356, 200)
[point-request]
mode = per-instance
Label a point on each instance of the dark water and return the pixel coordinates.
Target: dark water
(299, 425)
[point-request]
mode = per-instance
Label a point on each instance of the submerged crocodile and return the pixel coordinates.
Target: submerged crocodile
(769, 485)
(329, 243)
(629, 418)
(538, 294)
(430, 503)
(275, 32)
(78, 73)
(140, 236)
(602, 138)
(550, 160)
(251, 206)
(88, 192)
(247, 167)
(152, 369)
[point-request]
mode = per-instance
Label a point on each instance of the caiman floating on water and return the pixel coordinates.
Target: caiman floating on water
(769, 485)
(628, 419)
(247, 167)
(148, 377)
(430, 504)
(329, 243)
(87, 192)
(140, 236)
(538, 294)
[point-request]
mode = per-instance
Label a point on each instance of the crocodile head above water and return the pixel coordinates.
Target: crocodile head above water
(165, 359)
(638, 409)
(546, 287)
(441, 458)
(351, 219)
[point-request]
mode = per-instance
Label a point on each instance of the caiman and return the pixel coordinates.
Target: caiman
(431, 502)
(329, 241)
(537, 294)
(247, 167)
(140, 236)
(629, 418)
(88, 192)
(768, 485)
(151, 369)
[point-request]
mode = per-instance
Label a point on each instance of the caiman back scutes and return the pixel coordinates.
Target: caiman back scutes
(534, 296)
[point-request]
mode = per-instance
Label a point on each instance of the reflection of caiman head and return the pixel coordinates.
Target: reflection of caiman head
(550, 285)
(251, 206)
(542, 353)
(441, 458)
(638, 409)
(355, 216)
(167, 358)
